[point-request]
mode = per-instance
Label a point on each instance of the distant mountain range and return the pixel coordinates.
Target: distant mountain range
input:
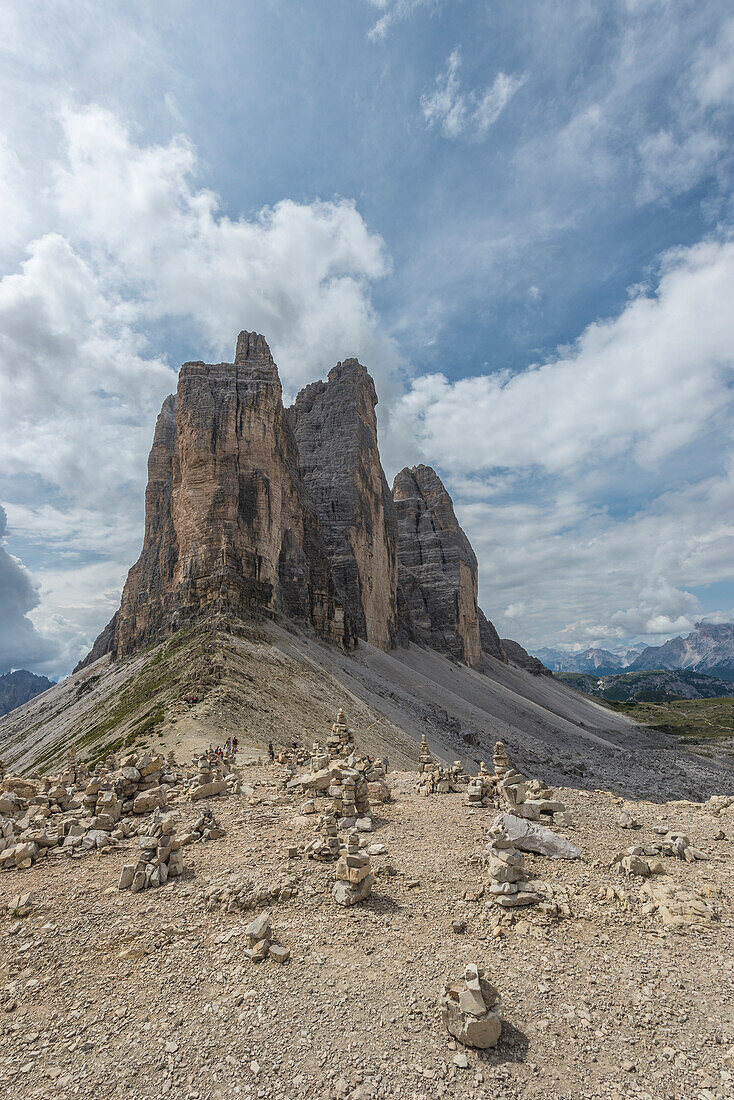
(649, 687)
(18, 687)
(599, 662)
(709, 649)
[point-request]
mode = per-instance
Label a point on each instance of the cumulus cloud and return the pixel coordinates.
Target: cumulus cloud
(298, 272)
(538, 460)
(138, 244)
(21, 646)
(645, 383)
(557, 569)
(457, 112)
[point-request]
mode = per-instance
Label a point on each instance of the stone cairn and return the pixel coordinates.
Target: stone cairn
(319, 758)
(260, 944)
(425, 760)
(500, 760)
(326, 847)
(457, 773)
(522, 797)
(160, 858)
(436, 780)
(258, 938)
(209, 782)
(375, 775)
(354, 879)
(206, 827)
(639, 859)
(508, 883)
(351, 799)
(471, 1009)
(475, 793)
(75, 773)
(71, 812)
(340, 741)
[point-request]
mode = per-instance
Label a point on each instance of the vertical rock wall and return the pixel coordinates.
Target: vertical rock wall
(437, 567)
(335, 427)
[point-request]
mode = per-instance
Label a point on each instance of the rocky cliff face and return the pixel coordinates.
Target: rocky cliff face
(18, 687)
(516, 655)
(490, 639)
(335, 428)
(227, 527)
(252, 509)
(438, 568)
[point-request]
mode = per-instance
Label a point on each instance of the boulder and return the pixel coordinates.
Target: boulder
(531, 837)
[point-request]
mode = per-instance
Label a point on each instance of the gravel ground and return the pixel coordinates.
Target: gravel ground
(147, 995)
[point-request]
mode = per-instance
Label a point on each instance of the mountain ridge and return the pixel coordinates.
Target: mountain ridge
(18, 687)
(255, 510)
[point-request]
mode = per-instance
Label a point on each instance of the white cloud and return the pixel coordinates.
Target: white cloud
(713, 71)
(558, 571)
(20, 643)
(457, 112)
(538, 461)
(395, 11)
(671, 165)
(643, 384)
(298, 272)
(139, 243)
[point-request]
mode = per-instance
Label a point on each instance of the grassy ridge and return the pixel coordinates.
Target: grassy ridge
(685, 718)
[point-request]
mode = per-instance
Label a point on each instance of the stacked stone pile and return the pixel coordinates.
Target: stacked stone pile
(351, 799)
(471, 1009)
(354, 879)
(236, 892)
(325, 847)
(525, 798)
(475, 793)
(62, 796)
(24, 833)
(458, 774)
(340, 741)
(640, 859)
(436, 780)
(206, 827)
(509, 885)
(258, 935)
(375, 776)
(209, 781)
(160, 858)
(500, 760)
(319, 759)
(425, 760)
(107, 810)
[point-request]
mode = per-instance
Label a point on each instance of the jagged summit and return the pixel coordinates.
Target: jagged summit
(438, 567)
(228, 528)
(252, 510)
(252, 348)
(335, 426)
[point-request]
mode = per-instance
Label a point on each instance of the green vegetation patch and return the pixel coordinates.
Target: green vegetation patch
(685, 718)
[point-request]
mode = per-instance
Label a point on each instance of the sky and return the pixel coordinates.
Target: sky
(518, 216)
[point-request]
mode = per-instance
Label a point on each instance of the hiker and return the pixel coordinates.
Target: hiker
(235, 744)
(271, 750)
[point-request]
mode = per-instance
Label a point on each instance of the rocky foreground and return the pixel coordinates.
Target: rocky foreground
(245, 975)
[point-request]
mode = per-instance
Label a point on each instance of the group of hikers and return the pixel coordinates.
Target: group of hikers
(230, 746)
